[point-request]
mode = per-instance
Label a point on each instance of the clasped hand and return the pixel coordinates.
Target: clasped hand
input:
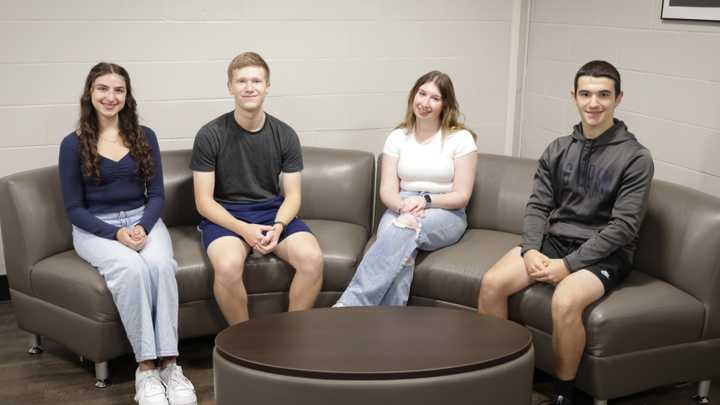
(262, 238)
(134, 237)
(414, 205)
(544, 269)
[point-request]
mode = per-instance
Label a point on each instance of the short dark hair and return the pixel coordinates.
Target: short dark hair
(599, 68)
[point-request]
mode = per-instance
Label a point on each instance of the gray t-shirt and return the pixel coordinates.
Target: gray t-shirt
(247, 164)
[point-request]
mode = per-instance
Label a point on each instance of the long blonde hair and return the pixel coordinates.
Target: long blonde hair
(450, 115)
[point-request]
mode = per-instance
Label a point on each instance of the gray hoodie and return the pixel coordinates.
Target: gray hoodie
(591, 190)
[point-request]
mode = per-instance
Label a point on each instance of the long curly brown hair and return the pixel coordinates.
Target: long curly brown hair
(130, 131)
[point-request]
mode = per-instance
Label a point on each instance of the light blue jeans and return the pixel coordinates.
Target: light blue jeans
(142, 284)
(384, 275)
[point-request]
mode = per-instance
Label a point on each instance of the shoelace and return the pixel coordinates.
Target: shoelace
(180, 379)
(148, 382)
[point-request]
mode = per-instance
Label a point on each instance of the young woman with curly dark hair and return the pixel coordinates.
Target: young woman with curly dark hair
(112, 186)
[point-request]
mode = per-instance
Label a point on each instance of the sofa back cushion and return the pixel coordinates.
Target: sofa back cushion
(502, 187)
(179, 208)
(337, 185)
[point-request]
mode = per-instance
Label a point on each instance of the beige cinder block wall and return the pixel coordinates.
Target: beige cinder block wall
(341, 69)
(670, 72)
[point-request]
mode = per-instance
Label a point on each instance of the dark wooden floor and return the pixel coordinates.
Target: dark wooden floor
(57, 377)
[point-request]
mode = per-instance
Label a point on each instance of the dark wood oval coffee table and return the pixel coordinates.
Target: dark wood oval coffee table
(399, 355)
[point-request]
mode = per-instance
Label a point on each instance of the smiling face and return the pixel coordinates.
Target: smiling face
(249, 86)
(596, 101)
(428, 103)
(108, 93)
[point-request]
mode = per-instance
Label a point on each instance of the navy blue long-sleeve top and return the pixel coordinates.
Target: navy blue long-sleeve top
(121, 188)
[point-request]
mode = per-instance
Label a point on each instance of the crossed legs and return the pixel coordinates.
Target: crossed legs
(385, 273)
(572, 295)
(228, 254)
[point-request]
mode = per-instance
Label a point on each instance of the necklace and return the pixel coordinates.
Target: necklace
(109, 141)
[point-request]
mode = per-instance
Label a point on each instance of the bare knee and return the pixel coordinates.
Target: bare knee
(309, 262)
(494, 284)
(565, 309)
(228, 271)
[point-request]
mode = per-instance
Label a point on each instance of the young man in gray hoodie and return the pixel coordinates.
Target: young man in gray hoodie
(581, 222)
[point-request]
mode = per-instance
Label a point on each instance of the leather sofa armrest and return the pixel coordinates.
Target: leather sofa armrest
(34, 223)
(680, 244)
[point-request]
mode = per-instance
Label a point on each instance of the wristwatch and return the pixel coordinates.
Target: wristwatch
(428, 199)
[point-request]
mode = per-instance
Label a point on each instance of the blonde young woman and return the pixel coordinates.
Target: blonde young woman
(427, 177)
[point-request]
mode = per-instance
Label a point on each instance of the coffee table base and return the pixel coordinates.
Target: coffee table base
(508, 383)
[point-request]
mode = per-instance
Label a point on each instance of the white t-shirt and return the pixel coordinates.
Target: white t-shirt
(428, 167)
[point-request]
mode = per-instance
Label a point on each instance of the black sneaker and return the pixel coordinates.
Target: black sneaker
(556, 400)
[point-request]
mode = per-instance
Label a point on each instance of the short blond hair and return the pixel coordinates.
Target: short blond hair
(246, 59)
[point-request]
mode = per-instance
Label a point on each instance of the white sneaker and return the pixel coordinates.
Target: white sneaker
(149, 388)
(180, 390)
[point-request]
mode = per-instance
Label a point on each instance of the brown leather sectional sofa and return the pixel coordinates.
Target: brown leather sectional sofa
(662, 327)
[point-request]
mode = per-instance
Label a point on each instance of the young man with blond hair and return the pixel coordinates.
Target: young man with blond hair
(237, 160)
(582, 220)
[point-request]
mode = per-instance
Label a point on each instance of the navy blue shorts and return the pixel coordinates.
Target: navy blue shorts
(260, 213)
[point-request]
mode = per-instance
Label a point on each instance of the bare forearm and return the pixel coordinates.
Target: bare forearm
(451, 201)
(288, 209)
(216, 213)
(391, 199)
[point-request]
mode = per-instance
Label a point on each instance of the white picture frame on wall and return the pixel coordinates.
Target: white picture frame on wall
(700, 10)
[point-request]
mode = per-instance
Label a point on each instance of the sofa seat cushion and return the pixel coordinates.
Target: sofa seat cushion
(454, 273)
(643, 313)
(70, 282)
(341, 244)
(193, 277)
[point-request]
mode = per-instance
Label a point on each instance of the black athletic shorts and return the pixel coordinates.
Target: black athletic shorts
(611, 271)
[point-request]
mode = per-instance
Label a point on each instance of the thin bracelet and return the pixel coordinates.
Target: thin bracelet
(284, 225)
